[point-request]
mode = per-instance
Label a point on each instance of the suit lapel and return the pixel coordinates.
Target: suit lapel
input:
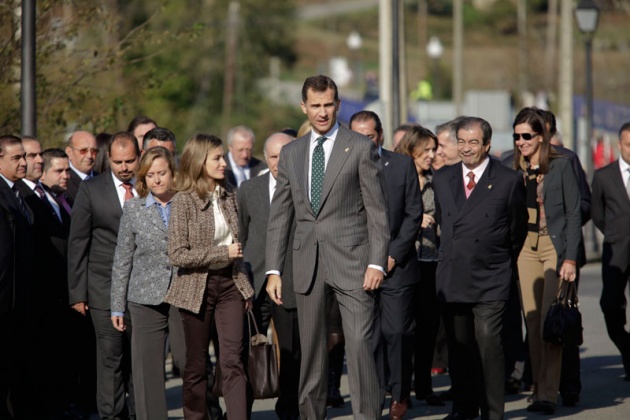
(340, 152)
(263, 200)
(301, 157)
(113, 194)
(154, 215)
(617, 181)
(457, 187)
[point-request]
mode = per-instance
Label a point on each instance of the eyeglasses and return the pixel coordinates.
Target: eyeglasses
(85, 151)
(524, 136)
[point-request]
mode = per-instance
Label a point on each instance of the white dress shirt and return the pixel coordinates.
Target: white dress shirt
(331, 136)
(222, 234)
(623, 167)
(120, 190)
(272, 187)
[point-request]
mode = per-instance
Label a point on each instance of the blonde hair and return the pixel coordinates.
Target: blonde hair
(305, 128)
(145, 164)
(192, 174)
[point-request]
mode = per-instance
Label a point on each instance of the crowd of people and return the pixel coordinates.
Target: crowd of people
(113, 254)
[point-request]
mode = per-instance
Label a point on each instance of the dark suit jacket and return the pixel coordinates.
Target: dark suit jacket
(51, 243)
(349, 232)
(611, 214)
(482, 236)
(73, 184)
(404, 211)
(16, 284)
(255, 167)
(92, 243)
(253, 213)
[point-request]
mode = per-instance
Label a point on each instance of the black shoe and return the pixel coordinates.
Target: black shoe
(433, 399)
(513, 386)
(459, 416)
(570, 399)
(446, 395)
(545, 407)
(334, 399)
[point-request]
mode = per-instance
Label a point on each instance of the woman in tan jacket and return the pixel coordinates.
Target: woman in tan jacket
(212, 281)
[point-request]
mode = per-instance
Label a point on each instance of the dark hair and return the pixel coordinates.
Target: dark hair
(532, 117)
(160, 134)
(101, 163)
(549, 119)
(139, 120)
(416, 136)
(54, 153)
(8, 140)
(123, 137)
(368, 116)
(145, 164)
(625, 127)
(470, 122)
(289, 131)
(319, 84)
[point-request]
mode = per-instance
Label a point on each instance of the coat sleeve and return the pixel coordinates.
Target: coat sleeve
(518, 215)
(571, 198)
(123, 260)
(598, 202)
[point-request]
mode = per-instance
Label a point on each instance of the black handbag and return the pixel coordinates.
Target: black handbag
(262, 366)
(563, 323)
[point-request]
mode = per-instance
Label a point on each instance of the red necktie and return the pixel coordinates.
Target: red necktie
(128, 191)
(471, 184)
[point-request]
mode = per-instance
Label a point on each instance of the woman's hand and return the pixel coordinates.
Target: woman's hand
(427, 220)
(235, 251)
(119, 323)
(249, 304)
(568, 271)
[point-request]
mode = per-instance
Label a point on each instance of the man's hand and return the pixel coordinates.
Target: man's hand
(372, 279)
(80, 307)
(119, 323)
(274, 288)
(391, 263)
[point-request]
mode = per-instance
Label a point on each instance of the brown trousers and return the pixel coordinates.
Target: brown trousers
(225, 304)
(539, 282)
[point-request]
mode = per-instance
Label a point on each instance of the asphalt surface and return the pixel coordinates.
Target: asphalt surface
(605, 394)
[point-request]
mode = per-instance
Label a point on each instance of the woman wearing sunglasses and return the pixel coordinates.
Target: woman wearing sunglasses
(551, 249)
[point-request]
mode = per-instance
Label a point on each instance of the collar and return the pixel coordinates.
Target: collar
(479, 170)
(234, 165)
(118, 182)
(9, 183)
(78, 172)
(623, 165)
(31, 184)
(150, 201)
(330, 135)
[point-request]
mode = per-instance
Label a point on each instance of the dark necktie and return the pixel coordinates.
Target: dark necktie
(64, 203)
(40, 191)
(128, 191)
(22, 204)
(317, 173)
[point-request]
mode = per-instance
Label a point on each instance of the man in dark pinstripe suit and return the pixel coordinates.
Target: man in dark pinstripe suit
(340, 243)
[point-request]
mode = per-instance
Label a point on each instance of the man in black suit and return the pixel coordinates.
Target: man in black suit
(483, 219)
(81, 150)
(17, 370)
(611, 214)
(394, 315)
(51, 225)
(93, 236)
(254, 201)
(241, 165)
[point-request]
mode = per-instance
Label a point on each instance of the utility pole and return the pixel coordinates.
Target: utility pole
(231, 45)
(523, 63)
(552, 41)
(396, 114)
(402, 69)
(565, 72)
(29, 108)
(458, 58)
(385, 67)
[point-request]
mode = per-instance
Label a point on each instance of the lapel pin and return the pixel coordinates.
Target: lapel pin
(490, 186)
(347, 149)
(386, 163)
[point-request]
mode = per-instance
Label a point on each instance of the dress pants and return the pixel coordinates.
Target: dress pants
(613, 303)
(427, 313)
(357, 310)
(113, 367)
(150, 326)
(175, 338)
(223, 303)
(476, 357)
(539, 286)
(393, 340)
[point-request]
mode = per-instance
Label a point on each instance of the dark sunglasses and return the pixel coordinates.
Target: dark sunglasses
(524, 136)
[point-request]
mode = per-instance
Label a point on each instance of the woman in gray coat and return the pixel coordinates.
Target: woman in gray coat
(550, 253)
(141, 276)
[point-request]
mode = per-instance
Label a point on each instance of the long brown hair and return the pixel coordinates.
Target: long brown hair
(145, 164)
(415, 137)
(533, 118)
(192, 166)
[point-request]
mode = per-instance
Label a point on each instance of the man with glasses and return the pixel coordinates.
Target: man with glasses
(81, 151)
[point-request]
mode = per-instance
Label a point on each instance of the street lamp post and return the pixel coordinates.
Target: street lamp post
(435, 51)
(586, 16)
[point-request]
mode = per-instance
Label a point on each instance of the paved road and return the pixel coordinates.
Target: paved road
(605, 394)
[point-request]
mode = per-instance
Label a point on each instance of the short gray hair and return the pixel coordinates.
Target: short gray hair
(240, 129)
